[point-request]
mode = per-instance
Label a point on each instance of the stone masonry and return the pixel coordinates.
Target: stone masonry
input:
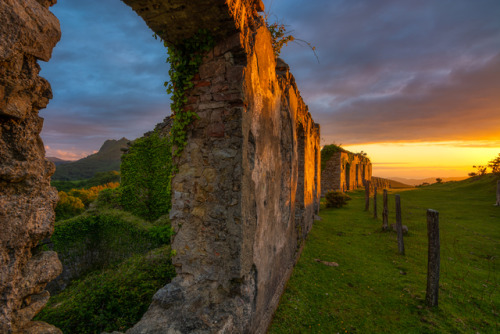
(345, 171)
(245, 194)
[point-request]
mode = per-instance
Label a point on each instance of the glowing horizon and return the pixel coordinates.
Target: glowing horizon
(427, 159)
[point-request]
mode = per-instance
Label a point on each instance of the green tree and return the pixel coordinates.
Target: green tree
(146, 172)
(495, 165)
(481, 170)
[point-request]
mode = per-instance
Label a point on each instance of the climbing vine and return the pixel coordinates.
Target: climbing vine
(184, 61)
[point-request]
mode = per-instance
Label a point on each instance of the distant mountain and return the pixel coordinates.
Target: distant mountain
(57, 161)
(430, 180)
(107, 159)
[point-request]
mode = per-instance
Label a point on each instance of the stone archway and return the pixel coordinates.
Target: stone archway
(236, 238)
(347, 176)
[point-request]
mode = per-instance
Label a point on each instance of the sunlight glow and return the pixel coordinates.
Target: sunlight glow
(428, 159)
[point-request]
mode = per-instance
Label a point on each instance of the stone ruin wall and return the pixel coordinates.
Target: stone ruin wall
(243, 200)
(245, 194)
(380, 183)
(334, 175)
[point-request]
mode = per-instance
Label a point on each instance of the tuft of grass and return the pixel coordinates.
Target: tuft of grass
(376, 290)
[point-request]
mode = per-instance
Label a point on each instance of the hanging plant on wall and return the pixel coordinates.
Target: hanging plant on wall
(185, 61)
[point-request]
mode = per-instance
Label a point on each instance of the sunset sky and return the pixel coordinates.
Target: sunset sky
(415, 84)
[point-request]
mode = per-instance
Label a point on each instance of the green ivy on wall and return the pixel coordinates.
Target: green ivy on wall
(146, 175)
(327, 153)
(185, 61)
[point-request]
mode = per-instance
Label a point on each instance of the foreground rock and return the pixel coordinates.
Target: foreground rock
(28, 32)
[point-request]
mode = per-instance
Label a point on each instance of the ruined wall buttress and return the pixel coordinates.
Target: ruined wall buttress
(345, 171)
(28, 32)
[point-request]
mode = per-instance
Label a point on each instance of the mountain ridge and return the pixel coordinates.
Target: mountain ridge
(108, 158)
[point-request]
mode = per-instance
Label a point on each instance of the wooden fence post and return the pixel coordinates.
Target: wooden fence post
(498, 193)
(375, 215)
(385, 213)
(399, 226)
(367, 195)
(431, 297)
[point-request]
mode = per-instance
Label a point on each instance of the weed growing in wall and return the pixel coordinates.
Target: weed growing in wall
(280, 37)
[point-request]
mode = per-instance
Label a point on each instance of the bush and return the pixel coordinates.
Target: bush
(99, 239)
(336, 199)
(109, 198)
(75, 201)
(113, 299)
(68, 206)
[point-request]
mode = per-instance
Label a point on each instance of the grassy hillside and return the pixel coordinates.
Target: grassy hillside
(107, 159)
(57, 161)
(376, 290)
(430, 180)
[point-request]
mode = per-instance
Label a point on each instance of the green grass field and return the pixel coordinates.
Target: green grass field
(376, 290)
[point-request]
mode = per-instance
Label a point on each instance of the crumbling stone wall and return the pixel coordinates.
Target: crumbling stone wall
(345, 171)
(245, 194)
(381, 183)
(28, 32)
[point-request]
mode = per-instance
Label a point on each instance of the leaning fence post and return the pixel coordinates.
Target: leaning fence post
(375, 202)
(431, 297)
(385, 213)
(367, 195)
(498, 193)
(399, 226)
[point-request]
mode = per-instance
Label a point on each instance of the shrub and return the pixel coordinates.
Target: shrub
(336, 199)
(68, 206)
(89, 195)
(109, 198)
(113, 299)
(102, 238)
